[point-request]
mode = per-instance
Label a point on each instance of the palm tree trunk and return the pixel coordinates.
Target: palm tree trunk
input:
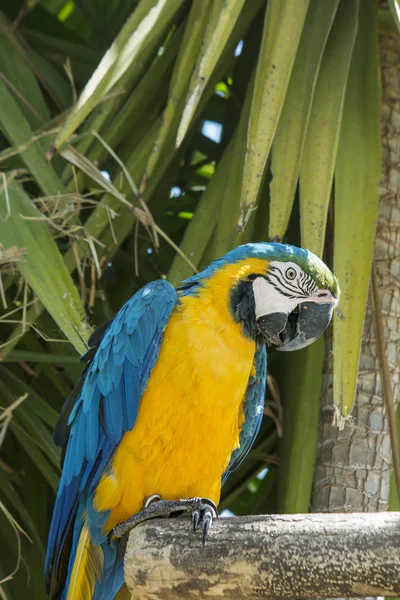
(353, 466)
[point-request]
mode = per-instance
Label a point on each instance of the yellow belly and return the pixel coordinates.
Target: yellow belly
(189, 416)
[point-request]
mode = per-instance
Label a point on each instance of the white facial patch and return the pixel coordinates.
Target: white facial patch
(323, 297)
(269, 300)
(285, 287)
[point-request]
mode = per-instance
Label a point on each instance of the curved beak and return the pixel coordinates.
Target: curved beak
(299, 329)
(312, 320)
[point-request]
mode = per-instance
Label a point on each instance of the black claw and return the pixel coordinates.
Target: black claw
(206, 528)
(195, 519)
(208, 515)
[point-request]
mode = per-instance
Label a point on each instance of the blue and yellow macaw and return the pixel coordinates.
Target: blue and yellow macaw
(171, 400)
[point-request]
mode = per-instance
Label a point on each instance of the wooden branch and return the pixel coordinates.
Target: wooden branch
(278, 556)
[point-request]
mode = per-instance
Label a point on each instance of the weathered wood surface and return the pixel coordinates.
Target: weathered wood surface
(278, 556)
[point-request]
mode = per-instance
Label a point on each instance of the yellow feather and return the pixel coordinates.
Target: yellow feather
(87, 569)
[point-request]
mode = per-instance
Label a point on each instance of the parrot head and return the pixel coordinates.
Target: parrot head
(292, 302)
(281, 294)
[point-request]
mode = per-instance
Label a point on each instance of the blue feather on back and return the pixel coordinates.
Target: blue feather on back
(105, 409)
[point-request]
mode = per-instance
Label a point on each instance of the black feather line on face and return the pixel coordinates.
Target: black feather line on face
(301, 287)
(243, 308)
(277, 281)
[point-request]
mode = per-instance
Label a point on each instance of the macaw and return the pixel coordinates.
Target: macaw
(170, 402)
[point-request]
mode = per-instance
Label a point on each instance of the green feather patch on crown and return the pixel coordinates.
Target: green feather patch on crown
(317, 269)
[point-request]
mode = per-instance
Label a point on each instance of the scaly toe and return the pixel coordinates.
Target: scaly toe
(195, 519)
(208, 516)
(154, 507)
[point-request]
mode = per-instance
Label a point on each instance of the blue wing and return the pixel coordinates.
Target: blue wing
(253, 408)
(104, 407)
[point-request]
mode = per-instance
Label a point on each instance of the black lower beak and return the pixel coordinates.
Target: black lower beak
(298, 329)
(271, 327)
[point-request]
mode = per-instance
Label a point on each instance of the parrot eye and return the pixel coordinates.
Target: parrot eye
(291, 273)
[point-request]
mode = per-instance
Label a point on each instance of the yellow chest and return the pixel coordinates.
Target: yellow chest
(189, 416)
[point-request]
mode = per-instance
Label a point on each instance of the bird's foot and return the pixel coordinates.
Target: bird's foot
(206, 512)
(201, 509)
